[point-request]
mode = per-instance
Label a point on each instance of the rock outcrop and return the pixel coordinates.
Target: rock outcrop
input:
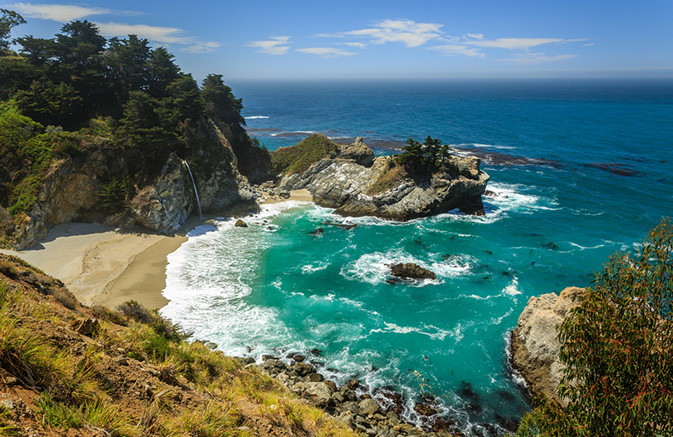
(535, 346)
(71, 188)
(411, 271)
(356, 183)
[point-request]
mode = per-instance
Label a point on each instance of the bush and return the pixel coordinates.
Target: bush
(618, 350)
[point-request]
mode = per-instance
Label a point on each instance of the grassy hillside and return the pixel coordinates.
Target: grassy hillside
(126, 373)
(298, 158)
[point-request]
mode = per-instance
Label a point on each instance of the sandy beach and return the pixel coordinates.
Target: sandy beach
(105, 266)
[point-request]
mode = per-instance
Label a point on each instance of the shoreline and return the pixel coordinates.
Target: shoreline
(105, 266)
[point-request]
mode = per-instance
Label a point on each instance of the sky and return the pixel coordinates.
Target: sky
(392, 39)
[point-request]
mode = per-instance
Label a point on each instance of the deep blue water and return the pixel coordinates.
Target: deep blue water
(274, 288)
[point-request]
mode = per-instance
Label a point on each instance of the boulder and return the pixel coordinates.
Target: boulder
(240, 224)
(358, 152)
(535, 346)
(318, 393)
(411, 271)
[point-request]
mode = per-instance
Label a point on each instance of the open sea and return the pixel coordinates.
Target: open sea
(597, 175)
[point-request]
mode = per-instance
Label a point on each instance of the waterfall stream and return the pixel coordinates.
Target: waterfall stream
(196, 192)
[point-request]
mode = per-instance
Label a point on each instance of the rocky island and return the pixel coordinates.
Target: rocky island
(351, 179)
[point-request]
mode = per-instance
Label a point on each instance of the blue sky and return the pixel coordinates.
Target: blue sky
(298, 39)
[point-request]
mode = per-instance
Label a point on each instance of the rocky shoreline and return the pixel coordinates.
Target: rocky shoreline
(350, 403)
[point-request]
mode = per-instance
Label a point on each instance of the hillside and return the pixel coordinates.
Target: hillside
(64, 366)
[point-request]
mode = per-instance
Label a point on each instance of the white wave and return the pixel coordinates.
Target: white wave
(310, 268)
(486, 146)
(255, 117)
(586, 248)
(438, 334)
(512, 289)
(509, 197)
(201, 230)
(299, 132)
(374, 268)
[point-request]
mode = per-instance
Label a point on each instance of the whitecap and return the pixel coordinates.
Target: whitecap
(255, 117)
(587, 247)
(438, 334)
(374, 268)
(512, 289)
(310, 268)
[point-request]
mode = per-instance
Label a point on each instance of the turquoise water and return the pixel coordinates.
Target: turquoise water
(275, 288)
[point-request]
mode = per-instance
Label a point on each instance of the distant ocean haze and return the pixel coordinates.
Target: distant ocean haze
(579, 170)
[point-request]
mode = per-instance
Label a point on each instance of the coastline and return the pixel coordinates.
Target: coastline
(105, 266)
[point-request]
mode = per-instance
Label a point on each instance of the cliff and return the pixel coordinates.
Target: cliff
(535, 346)
(357, 183)
(75, 187)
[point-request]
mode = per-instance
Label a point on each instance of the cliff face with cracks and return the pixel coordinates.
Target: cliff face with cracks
(535, 346)
(72, 187)
(357, 183)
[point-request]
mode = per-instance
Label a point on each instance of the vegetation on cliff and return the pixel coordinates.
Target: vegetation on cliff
(126, 373)
(60, 97)
(617, 346)
(298, 158)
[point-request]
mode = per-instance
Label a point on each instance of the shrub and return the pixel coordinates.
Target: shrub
(298, 158)
(115, 194)
(134, 311)
(618, 350)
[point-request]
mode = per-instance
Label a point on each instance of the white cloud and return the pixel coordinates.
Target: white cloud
(201, 47)
(456, 49)
(475, 35)
(326, 52)
(589, 44)
(408, 32)
(274, 46)
(359, 45)
(160, 34)
(512, 43)
(60, 13)
(536, 58)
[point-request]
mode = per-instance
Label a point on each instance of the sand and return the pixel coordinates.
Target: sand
(298, 195)
(104, 266)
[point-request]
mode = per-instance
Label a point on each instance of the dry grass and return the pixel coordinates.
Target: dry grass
(140, 380)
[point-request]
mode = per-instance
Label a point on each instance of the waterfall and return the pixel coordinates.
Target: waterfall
(196, 192)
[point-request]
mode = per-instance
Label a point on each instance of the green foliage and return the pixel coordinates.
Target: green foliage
(618, 350)
(27, 154)
(50, 103)
(220, 102)
(8, 20)
(421, 160)
(116, 193)
(299, 158)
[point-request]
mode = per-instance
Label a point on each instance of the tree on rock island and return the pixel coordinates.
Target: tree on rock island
(618, 351)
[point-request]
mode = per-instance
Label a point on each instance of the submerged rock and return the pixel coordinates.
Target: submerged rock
(411, 271)
(535, 346)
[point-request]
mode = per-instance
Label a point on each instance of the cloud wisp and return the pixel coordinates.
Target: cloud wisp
(407, 32)
(276, 45)
(59, 13)
(326, 52)
(64, 13)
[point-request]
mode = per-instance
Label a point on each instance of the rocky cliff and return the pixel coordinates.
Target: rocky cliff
(356, 183)
(72, 187)
(535, 346)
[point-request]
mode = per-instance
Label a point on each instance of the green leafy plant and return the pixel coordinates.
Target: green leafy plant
(618, 350)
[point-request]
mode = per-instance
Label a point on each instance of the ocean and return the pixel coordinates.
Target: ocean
(580, 169)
